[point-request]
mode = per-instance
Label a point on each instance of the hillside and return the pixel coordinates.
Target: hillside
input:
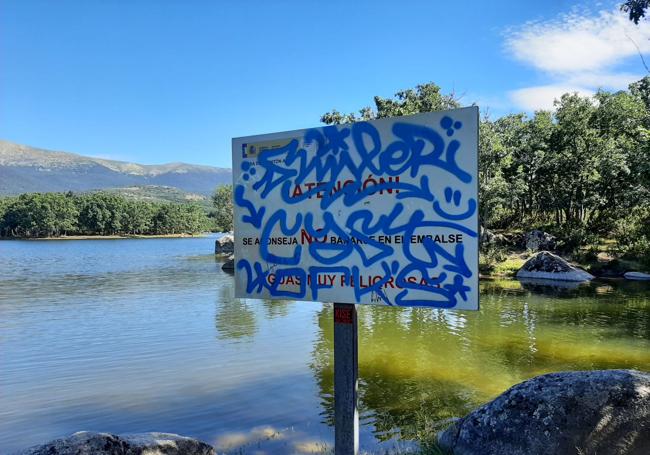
(162, 194)
(25, 169)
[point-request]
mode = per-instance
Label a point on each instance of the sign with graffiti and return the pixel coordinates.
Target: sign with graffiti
(378, 212)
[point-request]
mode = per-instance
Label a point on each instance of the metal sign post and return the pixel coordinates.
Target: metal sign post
(346, 373)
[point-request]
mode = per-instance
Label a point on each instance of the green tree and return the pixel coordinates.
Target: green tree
(636, 9)
(5, 204)
(40, 215)
(167, 219)
(424, 98)
(493, 187)
(138, 217)
(223, 208)
(194, 219)
(102, 213)
(641, 91)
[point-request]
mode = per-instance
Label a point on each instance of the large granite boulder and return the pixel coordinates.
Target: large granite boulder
(225, 245)
(547, 266)
(87, 443)
(575, 412)
(537, 240)
(90, 443)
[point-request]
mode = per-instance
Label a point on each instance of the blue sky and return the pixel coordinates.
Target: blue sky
(163, 81)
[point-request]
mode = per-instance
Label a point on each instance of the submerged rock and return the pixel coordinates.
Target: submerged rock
(548, 266)
(637, 276)
(87, 443)
(225, 245)
(572, 412)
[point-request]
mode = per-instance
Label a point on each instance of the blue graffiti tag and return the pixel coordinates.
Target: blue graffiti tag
(345, 167)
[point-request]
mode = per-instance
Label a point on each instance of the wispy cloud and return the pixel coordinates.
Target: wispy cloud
(578, 52)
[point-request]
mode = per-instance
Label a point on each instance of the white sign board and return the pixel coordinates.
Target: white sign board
(378, 212)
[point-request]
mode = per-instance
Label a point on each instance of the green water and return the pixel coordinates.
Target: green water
(144, 335)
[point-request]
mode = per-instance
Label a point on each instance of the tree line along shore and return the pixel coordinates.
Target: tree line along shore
(56, 215)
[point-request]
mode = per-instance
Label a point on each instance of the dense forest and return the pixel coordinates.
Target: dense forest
(36, 215)
(580, 172)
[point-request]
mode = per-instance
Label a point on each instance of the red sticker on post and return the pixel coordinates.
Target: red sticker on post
(343, 315)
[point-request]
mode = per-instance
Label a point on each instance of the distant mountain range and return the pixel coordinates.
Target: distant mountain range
(25, 169)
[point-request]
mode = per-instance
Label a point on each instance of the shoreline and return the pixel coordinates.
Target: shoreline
(110, 237)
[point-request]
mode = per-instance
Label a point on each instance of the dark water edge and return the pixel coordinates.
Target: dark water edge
(144, 335)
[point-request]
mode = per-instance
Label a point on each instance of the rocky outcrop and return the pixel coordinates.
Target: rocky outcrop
(547, 266)
(578, 412)
(637, 276)
(537, 240)
(225, 245)
(87, 443)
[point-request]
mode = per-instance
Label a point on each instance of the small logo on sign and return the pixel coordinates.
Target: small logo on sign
(249, 150)
(343, 315)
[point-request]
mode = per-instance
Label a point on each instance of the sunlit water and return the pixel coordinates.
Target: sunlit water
(144, 335)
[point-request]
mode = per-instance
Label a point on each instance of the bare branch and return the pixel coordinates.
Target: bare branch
(638, 49)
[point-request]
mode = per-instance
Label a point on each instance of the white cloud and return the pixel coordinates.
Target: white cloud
(598, 80)
(577, 43)
(577, 52)
(542, 97)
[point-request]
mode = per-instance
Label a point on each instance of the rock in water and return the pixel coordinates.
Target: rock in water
(547, 266)
(537, 240)
(229, 265)
(90, 443)
(574, 412)
(225, 244)
(637, 276)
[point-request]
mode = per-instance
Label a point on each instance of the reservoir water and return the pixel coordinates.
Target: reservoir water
(145, 335)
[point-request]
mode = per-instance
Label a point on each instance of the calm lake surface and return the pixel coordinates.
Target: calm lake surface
(145, 335)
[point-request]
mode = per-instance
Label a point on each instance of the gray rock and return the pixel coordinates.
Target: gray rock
(486, 237)
(90, 443)
(575, 412)
(637, 276)
(229, 265)
(547, 266)
(537, 240)
(225, 245)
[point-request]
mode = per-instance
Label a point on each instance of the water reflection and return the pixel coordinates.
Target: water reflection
(147, 335)
(276, 308)
(235, 321)
(418, 366)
